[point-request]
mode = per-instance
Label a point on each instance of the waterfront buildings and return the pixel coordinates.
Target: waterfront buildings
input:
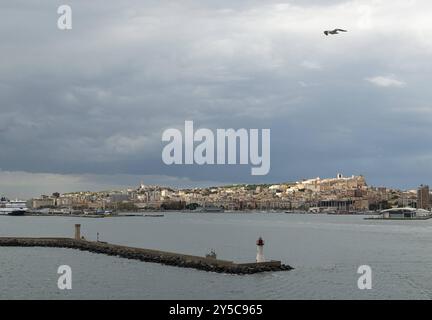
(405, 213)
(423, 198)
(339, 194)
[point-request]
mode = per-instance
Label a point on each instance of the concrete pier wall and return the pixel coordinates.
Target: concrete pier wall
(148, 255)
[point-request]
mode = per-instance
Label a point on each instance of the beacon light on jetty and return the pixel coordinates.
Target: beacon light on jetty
(260, 250)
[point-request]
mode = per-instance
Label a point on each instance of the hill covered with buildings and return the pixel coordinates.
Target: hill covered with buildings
(339, 193)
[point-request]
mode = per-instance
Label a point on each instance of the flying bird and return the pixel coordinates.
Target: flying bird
(335, 31)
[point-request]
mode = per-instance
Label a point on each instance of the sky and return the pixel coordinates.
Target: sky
(85, 108)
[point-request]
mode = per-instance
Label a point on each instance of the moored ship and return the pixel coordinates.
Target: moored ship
(210, 209)
(12, 208)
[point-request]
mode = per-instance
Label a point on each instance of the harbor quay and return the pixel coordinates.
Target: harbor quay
(207, 263)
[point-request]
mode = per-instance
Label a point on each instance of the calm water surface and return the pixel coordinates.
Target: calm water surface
(325, 251)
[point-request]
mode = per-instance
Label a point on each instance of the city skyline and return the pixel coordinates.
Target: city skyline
(136, 183)
(338, 193)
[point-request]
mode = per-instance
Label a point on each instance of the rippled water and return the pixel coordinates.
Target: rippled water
(325, 251)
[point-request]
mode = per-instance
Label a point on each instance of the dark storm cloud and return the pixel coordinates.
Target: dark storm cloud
(96, 99)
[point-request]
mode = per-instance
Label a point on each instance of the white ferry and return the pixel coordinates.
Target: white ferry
(12, 208)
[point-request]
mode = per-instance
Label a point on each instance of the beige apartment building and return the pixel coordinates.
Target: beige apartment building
(423, 197)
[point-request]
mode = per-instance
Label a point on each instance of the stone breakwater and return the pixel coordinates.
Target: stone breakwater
(148, 255)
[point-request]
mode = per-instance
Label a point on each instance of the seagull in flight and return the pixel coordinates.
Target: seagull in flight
(335, 31)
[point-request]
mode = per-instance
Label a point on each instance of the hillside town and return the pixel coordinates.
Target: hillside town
(333, 195)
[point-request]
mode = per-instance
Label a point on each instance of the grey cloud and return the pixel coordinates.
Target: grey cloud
(95, 100)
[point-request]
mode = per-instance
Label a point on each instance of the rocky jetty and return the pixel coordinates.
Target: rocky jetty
(148, 255)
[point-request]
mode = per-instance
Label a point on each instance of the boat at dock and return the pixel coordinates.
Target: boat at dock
(210, 209)
(295, 212)
(104, 212)
(12, 208)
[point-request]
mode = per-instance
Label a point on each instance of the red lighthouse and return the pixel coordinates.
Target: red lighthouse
(260, 250)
